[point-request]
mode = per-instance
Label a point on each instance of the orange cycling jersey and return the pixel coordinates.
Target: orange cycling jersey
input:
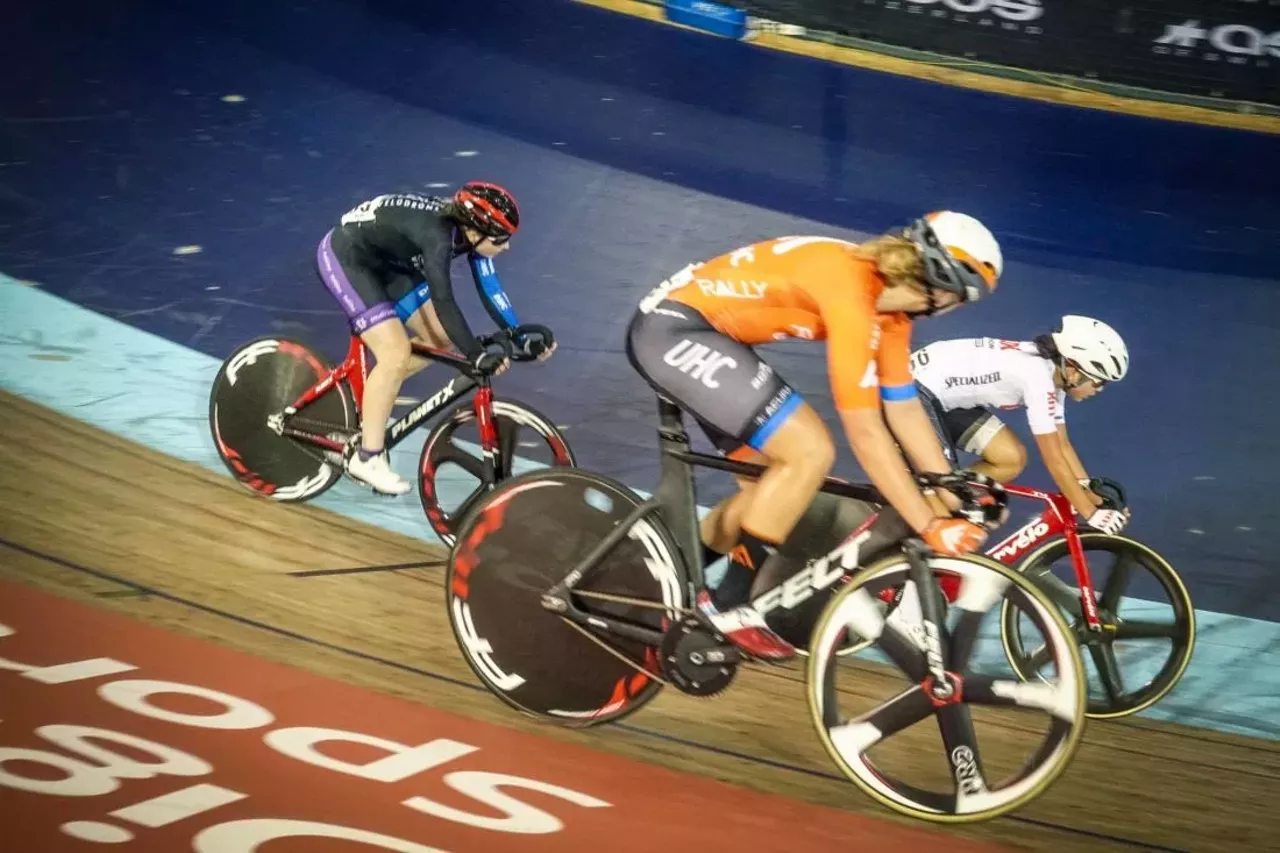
(811, 288)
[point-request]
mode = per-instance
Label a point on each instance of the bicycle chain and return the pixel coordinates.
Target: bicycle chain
(320, 425)
(322, 428)
(619, 655)
(747, 663)
(634, 602)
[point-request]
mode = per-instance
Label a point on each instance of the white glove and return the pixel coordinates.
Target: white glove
(1108, 520)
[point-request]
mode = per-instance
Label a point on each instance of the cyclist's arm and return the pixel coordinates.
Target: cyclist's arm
(1055, 461)
(1077, 467)
(1060, 420)
(1073, 459)
(903, 409)
(491, 293)
(910, 424)
(1043, 409)
(433, 265)
(856, 389)
(876, 452)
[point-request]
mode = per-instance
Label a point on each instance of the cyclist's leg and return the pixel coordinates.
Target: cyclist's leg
(800, 453)
(722, 524)
(370, 313)
(721, 527)
(981, 433)
(389, 343)
(417, 312)
(726, 385)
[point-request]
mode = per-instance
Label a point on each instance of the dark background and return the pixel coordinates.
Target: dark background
(1115, 42)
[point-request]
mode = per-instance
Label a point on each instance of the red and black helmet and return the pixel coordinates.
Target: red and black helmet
(487, 208)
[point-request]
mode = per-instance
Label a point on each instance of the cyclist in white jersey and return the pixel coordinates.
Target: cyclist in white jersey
(967, 377)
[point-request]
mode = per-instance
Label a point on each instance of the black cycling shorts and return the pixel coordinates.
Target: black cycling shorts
(970, 430)
(733, 394)
(368, 295)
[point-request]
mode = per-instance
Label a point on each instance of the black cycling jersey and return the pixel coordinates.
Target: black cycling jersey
(388, 245)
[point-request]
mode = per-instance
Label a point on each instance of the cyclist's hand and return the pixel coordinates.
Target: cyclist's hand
(954, 536)
(945, 499)
(984, 514)
(1109, 520)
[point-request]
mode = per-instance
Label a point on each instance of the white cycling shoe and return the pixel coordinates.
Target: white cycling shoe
(375, 472)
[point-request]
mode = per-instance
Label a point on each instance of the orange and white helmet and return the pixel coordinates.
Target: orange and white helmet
(960, 255)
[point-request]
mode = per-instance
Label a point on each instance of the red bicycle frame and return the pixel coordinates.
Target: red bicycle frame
(354, 370)
(1058, 519)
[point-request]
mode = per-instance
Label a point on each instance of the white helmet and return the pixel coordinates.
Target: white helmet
(1093, 346)
(960, 254)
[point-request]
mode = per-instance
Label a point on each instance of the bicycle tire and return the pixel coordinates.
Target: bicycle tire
(505, 410)
(1183, 646)
(1065, 706)
(517, 543)
(265, 463)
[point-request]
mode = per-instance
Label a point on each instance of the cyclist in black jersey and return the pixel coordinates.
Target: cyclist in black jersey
(389, 259)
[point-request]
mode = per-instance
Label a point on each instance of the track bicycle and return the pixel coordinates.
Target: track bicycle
(1161, 612)
(1101, 620)
(1155, 632)
(283, 422)
(571, 599)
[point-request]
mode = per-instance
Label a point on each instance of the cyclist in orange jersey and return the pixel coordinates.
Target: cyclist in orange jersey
(692, 340)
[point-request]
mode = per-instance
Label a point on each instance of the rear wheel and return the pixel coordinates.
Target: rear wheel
(253, 387)
(519, 541)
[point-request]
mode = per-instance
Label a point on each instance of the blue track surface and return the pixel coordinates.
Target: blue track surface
(635, 148)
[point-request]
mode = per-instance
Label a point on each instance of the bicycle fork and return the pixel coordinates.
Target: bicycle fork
(490, 445)
(932, 617)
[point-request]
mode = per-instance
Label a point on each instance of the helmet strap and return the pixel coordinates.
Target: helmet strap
(931, 292)
(933, 302)
(460, 241)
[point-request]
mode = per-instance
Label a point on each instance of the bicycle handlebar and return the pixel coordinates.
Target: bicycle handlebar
(1111, 492)
(520, 331)
(506, 339)
(502, 338)
(982, 500)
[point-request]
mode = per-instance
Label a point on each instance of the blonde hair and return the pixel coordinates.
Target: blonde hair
(897, 259)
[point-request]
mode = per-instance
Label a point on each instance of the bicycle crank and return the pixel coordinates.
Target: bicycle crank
(695, 661)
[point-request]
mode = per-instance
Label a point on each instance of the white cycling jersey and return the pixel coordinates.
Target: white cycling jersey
(988, 372)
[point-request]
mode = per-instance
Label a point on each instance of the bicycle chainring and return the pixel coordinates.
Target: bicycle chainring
(695, 661)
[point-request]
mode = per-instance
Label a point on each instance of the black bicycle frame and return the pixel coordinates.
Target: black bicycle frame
(675, 503)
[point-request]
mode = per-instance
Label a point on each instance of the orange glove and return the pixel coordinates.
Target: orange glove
(954, 536)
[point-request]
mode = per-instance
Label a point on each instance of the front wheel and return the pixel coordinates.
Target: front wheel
(1148, 621)
(523, 538)
(452, 473)
(877, 742)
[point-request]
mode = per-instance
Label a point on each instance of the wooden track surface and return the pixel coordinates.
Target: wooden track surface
(1058, 91)
(98, 519)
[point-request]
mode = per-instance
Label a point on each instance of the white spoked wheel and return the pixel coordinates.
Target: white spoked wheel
(940, 773)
